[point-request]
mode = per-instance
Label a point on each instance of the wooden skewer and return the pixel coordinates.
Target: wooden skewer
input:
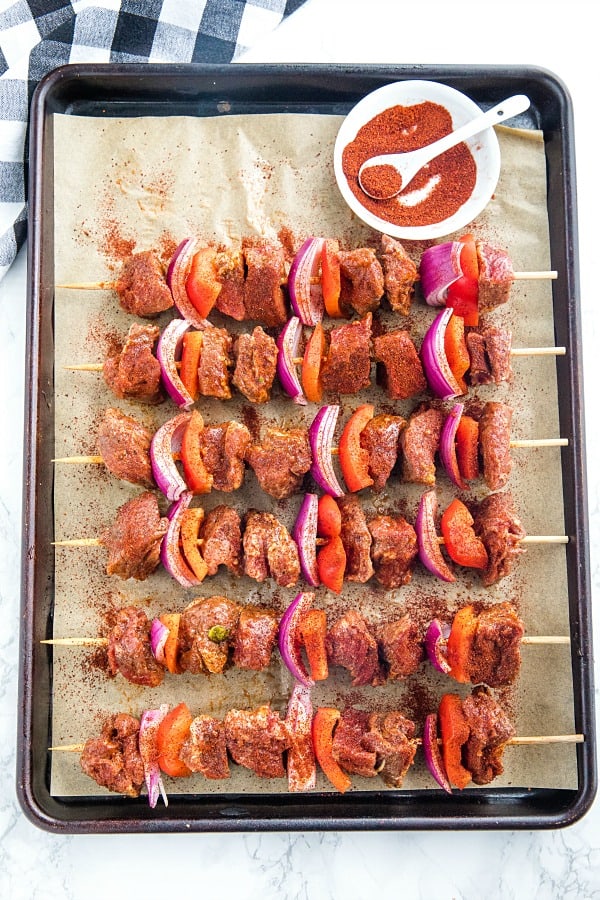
(552, 274)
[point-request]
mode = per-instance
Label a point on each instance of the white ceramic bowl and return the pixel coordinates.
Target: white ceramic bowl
(484, 148)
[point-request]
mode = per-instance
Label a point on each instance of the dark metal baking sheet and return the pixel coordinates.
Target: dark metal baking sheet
(123, 90)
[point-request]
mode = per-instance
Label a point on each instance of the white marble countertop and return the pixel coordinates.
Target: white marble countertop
(559, 864)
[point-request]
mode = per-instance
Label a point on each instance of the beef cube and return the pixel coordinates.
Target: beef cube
(133, 372)
(257, 739)
(498, 344)
(400, 370)
(255, 638)
(231, 273)
(269, 550)
(141, 286)
(494, 443)
(124, 446)
(206, 632)
(390, 736)
(281, 461)
(420, 441)
(205, 750)
(134, 539)
(361, 279)
(479, 366)
(347, 367)
(495, 276)
(495, 656)
(223, 448)
(401, 647)
(500, 529)
(381, 439)
(255, 365)
(264, 300)
(399, 274)
(349, 749)
(356, 539)
(490, 729)
(351, 644)
(215, 362)
(113, 760)
(129, 650)
(394, 550)
(222, 540)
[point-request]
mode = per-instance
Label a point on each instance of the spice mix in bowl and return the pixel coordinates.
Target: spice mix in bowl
(449, 192)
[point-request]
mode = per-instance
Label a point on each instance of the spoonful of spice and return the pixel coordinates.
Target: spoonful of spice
(385, 176)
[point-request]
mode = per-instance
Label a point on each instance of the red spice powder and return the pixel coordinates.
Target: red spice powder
(398, 130)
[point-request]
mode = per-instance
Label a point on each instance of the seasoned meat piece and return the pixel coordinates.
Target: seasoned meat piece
(400, 370)
(141, 286)
(257, 740)
(349, 749)
(215, 362)
(264, 300)
(394, 550)
(281, 461)
(113, 759)
(124, 446)
(401, 647)
(255, 638)
(399, 274)
(356, 539)
(205, 750)
(133, 372)
(495, 276)
(361, 279)
(494, 443)
(479, 367)
(255, 365)
(347, 367)
(391, 737)
(223, 448)
(380, 438)
(489, 351)
(129, 650)
(222, 540)
(420, 441)
(490, 729)
(351, 644)
(206, 631)
(231, 273)
(269, 550)
(500, 529)
(495, 655)
(133, 541)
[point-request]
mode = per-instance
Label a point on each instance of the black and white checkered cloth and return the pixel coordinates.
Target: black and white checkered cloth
(39, 35)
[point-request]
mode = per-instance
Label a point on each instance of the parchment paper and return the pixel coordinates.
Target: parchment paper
(155, 181)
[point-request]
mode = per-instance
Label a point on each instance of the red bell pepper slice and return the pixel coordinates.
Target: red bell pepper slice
(455, 731)
(197, 477)
(331, 281)
(354, 459)
(467, 448)
(323, 726)
(191, 522)
(171, 621)
(463, 294)
(313, 630)
(202, 284)
(190, 362)
(329, 517)
(331, 564)
(314, 355)
(456, 350)
(460, 643)
(172, 732)
(462, 544)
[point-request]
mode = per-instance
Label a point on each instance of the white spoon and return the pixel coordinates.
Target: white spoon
(408, 164)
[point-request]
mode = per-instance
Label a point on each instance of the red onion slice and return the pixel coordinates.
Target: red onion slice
(149, 723)
(306, 295)
(305, 535)
(166, 442)
(288, 344)
(170, 554)
(439, 268)
(158, 638)
(432, 753)
(435, 362)
(289, 638)
(301, 764)
(177, 273)
(168, 353)
(427, 539)
(436, 639)
(448, 445)
(321, 435)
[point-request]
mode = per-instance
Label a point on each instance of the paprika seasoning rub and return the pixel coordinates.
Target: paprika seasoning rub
(437, 191)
